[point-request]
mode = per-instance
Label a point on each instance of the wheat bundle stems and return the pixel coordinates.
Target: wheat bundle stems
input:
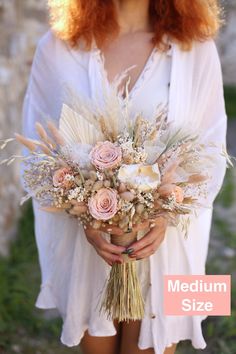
(123, 299)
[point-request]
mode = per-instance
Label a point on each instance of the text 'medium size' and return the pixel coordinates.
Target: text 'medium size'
(190, 295)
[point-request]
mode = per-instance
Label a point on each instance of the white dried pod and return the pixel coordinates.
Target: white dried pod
(78, 180)
(128, 159)
(88, 183)
(85, 173)
(158, 204)
(123, 223)
(116, 218)
(139, 208)
(80, 209)
(128, 196)
(156, 195)
(122, 187)
(93, 175)
(96, 224)
(66, 205)
(97, 185)
(107, 183)
(74, 202)
(73, 212)
(136, 218)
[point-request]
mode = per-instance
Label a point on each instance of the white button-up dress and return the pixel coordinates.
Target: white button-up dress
(73, 275)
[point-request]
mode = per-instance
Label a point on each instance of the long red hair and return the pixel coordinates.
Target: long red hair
(182, 20)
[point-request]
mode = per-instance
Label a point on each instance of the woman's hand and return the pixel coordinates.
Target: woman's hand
(149, 243)
(110, 253)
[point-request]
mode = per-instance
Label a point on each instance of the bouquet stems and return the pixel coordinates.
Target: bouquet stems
(123, 299)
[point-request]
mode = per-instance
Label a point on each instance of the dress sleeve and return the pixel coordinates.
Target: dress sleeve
(42, 98)
(213, 125)
(55, 233)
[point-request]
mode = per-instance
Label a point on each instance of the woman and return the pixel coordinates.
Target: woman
(176, 62)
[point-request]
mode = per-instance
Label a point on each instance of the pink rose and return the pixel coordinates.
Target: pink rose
(63, 178)
(106, 155)
(167, 190)
(103, 205)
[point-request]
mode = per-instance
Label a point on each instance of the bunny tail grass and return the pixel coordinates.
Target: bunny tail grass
(123, 299)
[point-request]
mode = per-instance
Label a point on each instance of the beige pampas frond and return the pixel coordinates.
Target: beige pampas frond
(82, 105)
(44, 136)
(41, 131)
(115, 115)
(51, 209)
(58, 138)
(44, 148)
(197, 178)
(105, 130)
(29, 143)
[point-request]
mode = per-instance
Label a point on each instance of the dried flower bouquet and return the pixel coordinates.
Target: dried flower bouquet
(108, 169)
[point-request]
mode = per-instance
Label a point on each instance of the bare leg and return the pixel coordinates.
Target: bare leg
(171, 350)
(129, 340)
(101, 345)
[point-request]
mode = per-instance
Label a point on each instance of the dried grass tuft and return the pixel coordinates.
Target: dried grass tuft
(123, 299)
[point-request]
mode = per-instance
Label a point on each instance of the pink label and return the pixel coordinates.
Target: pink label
(192, 295)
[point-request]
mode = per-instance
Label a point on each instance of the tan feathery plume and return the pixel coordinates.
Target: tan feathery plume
(26, 142)
(104, 129)
(197, 178)
(41, 131)
(56, 134)
(153, 134)
(44, 148)
(43, 135)
(51, 209)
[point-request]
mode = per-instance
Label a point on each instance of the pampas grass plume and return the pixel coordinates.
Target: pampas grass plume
(26, 142)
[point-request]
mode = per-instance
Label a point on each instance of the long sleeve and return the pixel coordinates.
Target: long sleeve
(197, 103)
(42, 98)
(214, 120)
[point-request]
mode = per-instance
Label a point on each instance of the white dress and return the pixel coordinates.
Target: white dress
(73, 275)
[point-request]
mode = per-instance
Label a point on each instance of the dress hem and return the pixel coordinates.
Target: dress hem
(46, 299)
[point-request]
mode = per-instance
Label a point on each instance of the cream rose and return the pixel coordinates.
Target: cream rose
(104, 204)
(63, 177)
(142, 177)
(105, 155)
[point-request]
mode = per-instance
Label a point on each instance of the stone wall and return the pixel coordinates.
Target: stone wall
(22, 22)
(227, 43)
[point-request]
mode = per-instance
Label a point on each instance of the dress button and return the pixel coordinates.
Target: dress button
(153, 316)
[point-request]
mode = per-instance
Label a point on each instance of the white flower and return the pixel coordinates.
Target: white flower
(142, 177)
(76, 193)
(78, 153)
